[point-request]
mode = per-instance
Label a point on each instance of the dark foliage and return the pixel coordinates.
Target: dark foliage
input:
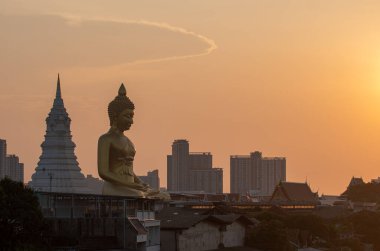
(269, 216)
(346, 232)
(21, 220)
(311, 223)
(367, 225)
(269, 235)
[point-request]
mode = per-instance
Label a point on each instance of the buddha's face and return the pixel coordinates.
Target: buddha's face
(125, 120)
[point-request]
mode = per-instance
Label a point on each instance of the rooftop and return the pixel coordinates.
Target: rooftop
(294, 192)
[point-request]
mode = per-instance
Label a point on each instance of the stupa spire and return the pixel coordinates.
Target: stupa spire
(58, 92)
(58, 101)
(58, 169)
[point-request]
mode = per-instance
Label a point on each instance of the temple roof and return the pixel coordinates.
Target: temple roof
(293, 192)
(356, 181)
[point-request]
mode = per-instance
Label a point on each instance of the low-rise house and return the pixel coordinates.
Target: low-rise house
(187, 229)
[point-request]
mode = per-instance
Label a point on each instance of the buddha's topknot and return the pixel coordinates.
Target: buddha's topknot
(119, 104)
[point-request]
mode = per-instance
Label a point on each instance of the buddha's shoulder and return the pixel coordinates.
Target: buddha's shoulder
(107, 137)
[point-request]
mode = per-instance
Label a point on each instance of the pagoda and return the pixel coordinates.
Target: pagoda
(58, 170)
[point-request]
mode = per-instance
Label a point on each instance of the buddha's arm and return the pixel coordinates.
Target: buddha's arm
(103, 162)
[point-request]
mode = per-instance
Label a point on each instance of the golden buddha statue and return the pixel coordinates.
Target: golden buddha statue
(116, 153)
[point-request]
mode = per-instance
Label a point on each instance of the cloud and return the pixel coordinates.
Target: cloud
(211, 45)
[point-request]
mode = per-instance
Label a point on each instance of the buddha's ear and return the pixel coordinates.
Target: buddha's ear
(114, 121)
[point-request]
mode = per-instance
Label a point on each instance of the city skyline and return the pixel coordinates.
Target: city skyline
(299, 80)
(192, 171)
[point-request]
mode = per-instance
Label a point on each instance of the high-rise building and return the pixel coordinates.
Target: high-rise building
(178, 166)
(152, 179)
(200, 161)
(3, 155)
(206, 180)
(256, 174)
(9, 164)
(188, 171)
(13, 168)
(58, 169)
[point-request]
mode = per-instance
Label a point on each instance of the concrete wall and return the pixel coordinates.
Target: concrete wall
(168, 240)
(234, 235)
(203, 236)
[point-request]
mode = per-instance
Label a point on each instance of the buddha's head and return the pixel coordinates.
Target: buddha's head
(121, 110)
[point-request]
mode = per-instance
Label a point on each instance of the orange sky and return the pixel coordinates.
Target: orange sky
(299, 79)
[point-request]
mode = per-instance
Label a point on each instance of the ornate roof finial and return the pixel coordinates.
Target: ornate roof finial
(122, 90)
(58, 93)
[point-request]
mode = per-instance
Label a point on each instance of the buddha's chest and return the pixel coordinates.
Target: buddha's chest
(123, 147)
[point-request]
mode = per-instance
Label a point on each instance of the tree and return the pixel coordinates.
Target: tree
(21, 221)
(309, 222)
(367, 224)
(269, 235)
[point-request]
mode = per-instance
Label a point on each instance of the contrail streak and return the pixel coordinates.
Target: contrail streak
(76, 20)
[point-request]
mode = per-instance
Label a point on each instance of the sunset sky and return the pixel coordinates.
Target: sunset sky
(295, 78)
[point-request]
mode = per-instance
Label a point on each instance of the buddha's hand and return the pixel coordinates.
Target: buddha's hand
(139, 187)
(144, 188)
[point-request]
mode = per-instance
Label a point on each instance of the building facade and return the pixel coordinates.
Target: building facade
(100, 222)
(152, 179)
(192, 171)
(208, 180)
(256, 175)
(14, 169)
(58, 169)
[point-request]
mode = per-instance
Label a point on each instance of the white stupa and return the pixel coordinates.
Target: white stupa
(58, 169)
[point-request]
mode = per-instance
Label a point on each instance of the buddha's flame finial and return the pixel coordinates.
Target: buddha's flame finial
(58, 93)
(122, 90)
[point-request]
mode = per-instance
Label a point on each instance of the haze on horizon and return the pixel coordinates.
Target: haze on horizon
(299, 79)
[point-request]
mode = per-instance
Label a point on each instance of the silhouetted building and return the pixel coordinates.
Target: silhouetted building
(355, 181)
(178, 166)
(152, 179)
(3, 154)
(14, 169)
(188, 171)
(254, 174)
(9, 164)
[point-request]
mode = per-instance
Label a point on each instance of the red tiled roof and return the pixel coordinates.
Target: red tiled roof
(294, 192)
